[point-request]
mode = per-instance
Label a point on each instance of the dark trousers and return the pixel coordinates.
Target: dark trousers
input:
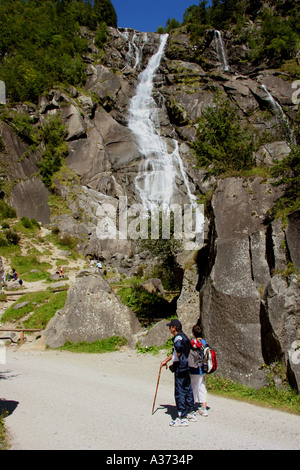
(183, 394)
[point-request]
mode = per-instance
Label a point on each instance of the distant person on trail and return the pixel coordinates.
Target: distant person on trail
(183, 390)
(13, 276)
(198, 377)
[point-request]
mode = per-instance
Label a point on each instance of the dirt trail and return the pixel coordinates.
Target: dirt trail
(71, 268)
(49, 253)
(61, 400)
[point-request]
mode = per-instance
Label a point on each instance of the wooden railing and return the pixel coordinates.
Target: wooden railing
(19, 330)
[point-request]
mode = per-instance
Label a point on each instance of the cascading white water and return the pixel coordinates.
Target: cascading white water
(134, 53)
(278, 111)
(221, 50)
(156, 181)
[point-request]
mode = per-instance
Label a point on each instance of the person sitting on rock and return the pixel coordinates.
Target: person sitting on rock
(13, 276)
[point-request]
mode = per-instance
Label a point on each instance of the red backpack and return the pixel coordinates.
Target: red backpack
(210, 359)
(202, 356)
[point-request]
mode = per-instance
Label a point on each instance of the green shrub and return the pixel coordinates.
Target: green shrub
(34, 223)
(101, 35)
(144, 304)
(12, 237)
(222, 143)
(3, 241)
(6, 211)
(287, 172)
(22, 124)
(53, 134)
(26, 222)
(68, 242)
(165, 250)
(97, 347)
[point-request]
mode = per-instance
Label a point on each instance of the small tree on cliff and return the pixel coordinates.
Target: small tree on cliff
(222, 142)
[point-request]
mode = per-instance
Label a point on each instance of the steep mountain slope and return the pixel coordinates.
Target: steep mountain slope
(247, 270)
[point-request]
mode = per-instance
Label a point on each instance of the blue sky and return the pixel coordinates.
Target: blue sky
(147, 16)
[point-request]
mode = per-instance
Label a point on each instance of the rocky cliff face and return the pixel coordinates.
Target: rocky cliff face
(249, 305)
(242, 306)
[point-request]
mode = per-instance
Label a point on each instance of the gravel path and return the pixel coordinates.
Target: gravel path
(80, 401)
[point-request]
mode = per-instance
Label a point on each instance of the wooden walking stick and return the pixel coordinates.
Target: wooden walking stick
(156, 388)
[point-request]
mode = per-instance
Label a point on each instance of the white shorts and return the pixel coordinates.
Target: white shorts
(198, 383)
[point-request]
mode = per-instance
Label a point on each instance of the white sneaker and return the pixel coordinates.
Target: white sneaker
(203, 412)
(179, 422)
(192, 416)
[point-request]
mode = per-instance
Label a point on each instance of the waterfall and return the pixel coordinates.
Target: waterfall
(134, 54)
(157, 181)
(278, 111)
(221, 50)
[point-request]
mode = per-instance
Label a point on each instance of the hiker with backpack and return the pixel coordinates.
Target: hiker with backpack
(197, 368)
(183, 391)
